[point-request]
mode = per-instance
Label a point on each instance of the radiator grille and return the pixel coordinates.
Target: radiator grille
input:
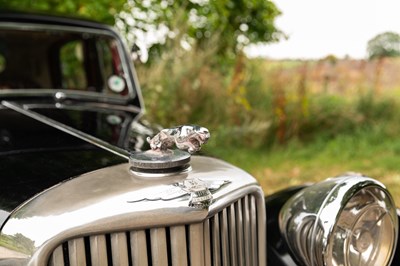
(230, 237)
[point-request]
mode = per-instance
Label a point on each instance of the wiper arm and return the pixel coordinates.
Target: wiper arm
(67, 129)
(83, 106)
(90, 98)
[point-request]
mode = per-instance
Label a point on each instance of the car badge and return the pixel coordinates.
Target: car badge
(198, 191)
(160, 159)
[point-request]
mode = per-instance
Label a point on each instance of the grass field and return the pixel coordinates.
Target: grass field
(296, 163)
(286, 122)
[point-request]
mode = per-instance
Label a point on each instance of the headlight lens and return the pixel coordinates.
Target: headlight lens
(349, 220)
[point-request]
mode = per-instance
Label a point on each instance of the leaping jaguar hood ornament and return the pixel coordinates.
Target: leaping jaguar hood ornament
(161, 159)
(188, 138)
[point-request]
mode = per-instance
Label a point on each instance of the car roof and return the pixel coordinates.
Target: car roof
(20, 17)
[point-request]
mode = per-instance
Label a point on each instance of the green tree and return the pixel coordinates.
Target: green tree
(196, 22)
(234, 23)
(384, 45)
(100, 10)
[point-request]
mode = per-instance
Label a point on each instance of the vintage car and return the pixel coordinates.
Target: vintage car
(84, 181)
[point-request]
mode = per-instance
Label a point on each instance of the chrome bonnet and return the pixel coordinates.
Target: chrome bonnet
(115, 199)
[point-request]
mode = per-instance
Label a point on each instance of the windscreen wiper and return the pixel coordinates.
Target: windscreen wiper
(69, 130)
(89, 98)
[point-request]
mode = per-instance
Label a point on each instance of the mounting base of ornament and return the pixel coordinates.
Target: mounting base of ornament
(162, 160)
(157, 161)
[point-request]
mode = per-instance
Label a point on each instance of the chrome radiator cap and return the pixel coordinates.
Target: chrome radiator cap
(160, 160)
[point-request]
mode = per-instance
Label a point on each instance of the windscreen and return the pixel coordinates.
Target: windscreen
(61, 58)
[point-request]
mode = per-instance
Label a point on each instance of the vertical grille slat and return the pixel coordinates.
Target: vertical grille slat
(246, 229)
(76, 248)
(216, 241)
(57, 258)
(178, 247)
(240, 233)
(98, 250)
(224, 238)
(253, 229)
(159, 247)
(139, 248)
(207, 243)
(119, 249)
(232, 236)
(196, 244)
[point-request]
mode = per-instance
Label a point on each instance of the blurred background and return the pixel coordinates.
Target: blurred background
(292, 91)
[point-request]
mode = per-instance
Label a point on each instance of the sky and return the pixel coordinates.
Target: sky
(317, 28)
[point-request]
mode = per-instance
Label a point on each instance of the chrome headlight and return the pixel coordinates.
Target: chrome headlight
(348, 220)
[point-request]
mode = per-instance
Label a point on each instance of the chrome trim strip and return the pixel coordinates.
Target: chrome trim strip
(67, 129)
(84, 106)
(64, 94)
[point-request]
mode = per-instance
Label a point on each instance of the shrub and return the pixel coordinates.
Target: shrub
(259, 103)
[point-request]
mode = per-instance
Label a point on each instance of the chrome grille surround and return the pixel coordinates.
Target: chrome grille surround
(94, 210)
(229, 237)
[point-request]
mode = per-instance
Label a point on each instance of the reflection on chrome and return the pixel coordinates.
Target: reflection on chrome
(348, 220)
(99, 203)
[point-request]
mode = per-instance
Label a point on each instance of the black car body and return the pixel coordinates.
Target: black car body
(70, 110)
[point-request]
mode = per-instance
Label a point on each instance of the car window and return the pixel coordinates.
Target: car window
(72, 66)
(111, 66)
(2, 62)
(66, 58)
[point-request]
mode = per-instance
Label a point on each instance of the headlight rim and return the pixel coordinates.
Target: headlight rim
(339, 191)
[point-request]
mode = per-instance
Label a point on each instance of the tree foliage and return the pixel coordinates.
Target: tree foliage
(193, 23)
(100, 10)
(196, 22)
(384, 45)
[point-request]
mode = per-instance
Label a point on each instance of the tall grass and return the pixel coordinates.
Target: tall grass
(285, 122)
(256, 104)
